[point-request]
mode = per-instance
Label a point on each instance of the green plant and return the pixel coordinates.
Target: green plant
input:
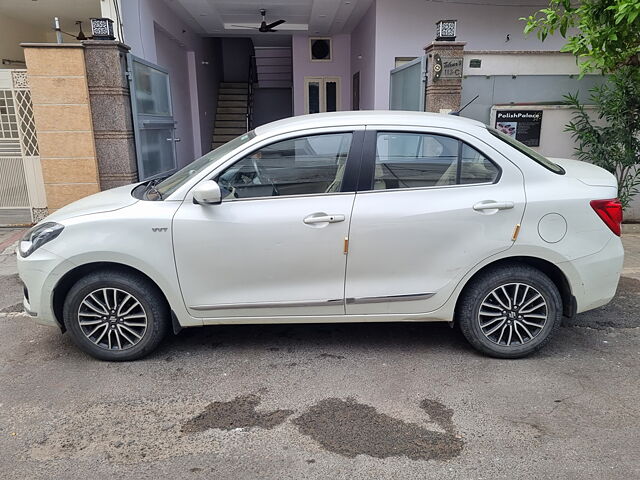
(613, 140)
(604, 34)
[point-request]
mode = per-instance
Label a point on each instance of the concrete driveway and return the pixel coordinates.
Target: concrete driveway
(324, 401)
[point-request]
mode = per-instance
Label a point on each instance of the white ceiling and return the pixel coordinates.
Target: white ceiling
(40, 13)
(323, 17)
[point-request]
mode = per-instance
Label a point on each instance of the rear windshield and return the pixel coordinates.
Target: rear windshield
(532, 154)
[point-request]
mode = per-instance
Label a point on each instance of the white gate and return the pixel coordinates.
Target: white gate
(408, 85)
(22, 197)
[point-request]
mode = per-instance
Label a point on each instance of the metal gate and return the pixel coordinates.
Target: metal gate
(408, 86)
(153, 124)
(21, 184)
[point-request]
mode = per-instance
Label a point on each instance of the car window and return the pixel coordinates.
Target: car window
(175, 181)
(475, 167)
(298, 166)
(532, 154)
(414, 160)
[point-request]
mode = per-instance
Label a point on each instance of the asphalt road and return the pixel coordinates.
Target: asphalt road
(324, 401)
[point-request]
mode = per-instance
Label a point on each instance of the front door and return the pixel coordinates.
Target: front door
(436, 203)
(322, 94)
(275, 245)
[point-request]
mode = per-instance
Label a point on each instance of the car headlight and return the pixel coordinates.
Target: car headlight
(38, 236)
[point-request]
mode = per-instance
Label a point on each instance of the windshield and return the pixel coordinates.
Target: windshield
(172, 183)
(532, 154)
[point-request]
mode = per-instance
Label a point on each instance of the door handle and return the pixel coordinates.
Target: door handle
(323, 218)
(491, 205)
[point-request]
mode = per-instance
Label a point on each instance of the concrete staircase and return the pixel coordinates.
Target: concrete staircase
(273, 70)
(231, 113)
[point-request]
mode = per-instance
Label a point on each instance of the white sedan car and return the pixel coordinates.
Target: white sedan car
(343, 217)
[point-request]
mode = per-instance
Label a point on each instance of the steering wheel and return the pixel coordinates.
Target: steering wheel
(256, 168)
(261, 175)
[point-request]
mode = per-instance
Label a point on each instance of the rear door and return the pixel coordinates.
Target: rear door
(433, 203)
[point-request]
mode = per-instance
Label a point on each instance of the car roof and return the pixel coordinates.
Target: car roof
(366, 117)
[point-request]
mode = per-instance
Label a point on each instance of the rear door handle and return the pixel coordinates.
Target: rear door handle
(323, 218)
(491, 205)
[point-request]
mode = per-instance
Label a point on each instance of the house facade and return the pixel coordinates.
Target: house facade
(190, 75)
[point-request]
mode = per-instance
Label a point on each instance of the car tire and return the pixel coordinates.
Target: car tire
(497, 311)
(116, 316)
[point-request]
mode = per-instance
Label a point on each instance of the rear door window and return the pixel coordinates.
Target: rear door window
(417, 160)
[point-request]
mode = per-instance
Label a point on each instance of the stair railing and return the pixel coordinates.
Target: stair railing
(251, 80)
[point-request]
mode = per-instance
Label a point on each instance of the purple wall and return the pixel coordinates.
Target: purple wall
(209, 76)
(236, 53)
(173, 57)
(363, 53)
(304, 67)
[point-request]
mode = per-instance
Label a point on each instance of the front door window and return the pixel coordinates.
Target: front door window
(297, 166)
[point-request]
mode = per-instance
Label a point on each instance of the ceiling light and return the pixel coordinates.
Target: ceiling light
(322, 16)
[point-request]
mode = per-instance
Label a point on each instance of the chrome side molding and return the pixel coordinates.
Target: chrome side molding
(390, 298)
(301, 303)
(316, 303)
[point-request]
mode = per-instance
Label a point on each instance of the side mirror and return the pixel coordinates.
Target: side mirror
(207, 193)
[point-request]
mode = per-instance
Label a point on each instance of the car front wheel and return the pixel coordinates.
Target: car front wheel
(510, 311)
(115, 315)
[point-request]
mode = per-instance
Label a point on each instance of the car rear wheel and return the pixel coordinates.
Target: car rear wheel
(115, 315)
(510, 311)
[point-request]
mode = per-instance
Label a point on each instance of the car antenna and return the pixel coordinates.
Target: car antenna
(457, 114)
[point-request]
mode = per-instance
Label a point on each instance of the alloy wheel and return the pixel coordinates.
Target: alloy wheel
(513, 314)
(112, 319)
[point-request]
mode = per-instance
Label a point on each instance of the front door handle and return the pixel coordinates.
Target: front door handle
(491, 205)
(322, 218)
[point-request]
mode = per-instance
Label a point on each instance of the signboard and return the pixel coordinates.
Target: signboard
(523, 125)
(447, 67)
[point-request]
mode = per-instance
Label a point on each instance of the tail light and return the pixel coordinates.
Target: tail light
(610, 211)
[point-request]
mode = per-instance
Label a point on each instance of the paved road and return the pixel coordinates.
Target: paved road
(324, 401)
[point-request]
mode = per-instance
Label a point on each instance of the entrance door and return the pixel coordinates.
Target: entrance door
(425, 221)
(322, 94)
(154, 126)
(275, 245)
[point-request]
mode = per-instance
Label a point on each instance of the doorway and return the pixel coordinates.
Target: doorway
(322, 94)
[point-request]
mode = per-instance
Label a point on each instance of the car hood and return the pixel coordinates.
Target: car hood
(586, 172)
(105, 201)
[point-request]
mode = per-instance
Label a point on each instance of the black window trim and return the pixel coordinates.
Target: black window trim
(352, 168)
(557, 169)
(367, 177)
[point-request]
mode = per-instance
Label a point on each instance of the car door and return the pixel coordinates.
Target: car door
(435, 202)
(275, 245)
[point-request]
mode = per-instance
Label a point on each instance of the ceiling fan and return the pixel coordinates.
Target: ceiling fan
(264, 26)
